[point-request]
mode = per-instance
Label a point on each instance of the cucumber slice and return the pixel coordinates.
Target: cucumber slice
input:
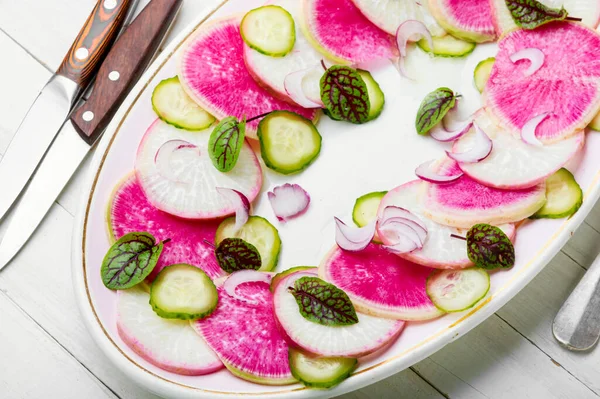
(289, 142)
(269, 30)
(376, 97)
(319, 372)
(183, 292)
(365, 208)
(563, 196)
(280, 276)
(482, 71)
(595, 123)
(447, 46)
(258, 232)
(457, 290)
(172, 104)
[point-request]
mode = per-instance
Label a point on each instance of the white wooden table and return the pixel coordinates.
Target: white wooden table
(45, 350)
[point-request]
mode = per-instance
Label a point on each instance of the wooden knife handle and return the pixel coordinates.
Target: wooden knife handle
(124, 64)
(93, 42)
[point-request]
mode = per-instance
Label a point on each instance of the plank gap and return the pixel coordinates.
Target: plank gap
(29, 53)
(445, 395)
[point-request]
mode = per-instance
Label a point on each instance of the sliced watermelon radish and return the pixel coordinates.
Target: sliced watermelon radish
(440, 250)
(171, 345)
(389, 14)
(470, 20)
(244, 335)
(465, 202)
(342, 33)
(356, 340)
(567, 85)
(380, 283)
(514, 164)
(130, 211)
(212, 72)
(184, 182)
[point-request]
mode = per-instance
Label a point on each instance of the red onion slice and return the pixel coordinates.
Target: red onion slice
(421, 232)
(529, 128)
(239, 202)
(404, 245)
(424, 172)
(288, 201)
(244, 276)
(353, 238)
(163, 156)
(411, 30)
(439, 132)
(392, 212)
(396, 230)
(535, 57)
(482, 147)
(295, 84)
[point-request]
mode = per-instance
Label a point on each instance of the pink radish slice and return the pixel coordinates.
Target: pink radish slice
(239, 202)
(212, 72)
(440, 133)
(535, 56)
(130, 211)
(481, 147)
(381, 284)
(514, 164)
(439, 250)
(424, 172)
(341, 32)
(288, 201)
(465, 202)
(244, 335)
(353, 238)
(567, 85)
(470, 20)
(295, 90)
(171, 345)
(197, 197)
(244, 276)
(528, 131)
(356, 340)
(411, 30)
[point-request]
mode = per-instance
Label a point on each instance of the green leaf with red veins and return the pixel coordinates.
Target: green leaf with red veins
(529, 14)
(433, 108)
(489, 248)
(323, 303)
(235, 254)
(344, 94)
(225, 143)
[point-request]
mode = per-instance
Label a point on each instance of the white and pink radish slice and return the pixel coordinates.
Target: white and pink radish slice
(356, 340)
(272, 72)
(130, 211)
(171, 345)
(213, 74)
(566, 86)
(342, 33)
(465, 202)
(189, 188)
(513, 163)
(389, 14)
(380, 283)
(470, 20)
(243, 333)
(439, 250)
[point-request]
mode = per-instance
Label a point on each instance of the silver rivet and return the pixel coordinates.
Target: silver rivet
(82, 53)
(114, 76)
(110, 4)
(88, 116)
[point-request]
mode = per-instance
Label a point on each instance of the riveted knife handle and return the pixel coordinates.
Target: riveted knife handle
(124, 64)
(93, 42)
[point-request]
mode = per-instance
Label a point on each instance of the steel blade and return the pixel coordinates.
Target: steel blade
(59, 164)
(33, 137)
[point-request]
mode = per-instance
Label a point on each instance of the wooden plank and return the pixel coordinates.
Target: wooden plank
(404, 385)
(35, 366)
(584, 245)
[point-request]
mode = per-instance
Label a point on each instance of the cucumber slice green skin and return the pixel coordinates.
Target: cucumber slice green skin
(278, 47)
(376, 96)
(289, 161)
(447, 46)
(439, 285)
(365, 210)
(595, 123)
(563, 196)
(320, 373)
(173, 106)
(280, 276)
(482, 71)
(203, 286)
(268, 248)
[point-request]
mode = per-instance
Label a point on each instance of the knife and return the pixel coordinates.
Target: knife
(126, 61)
(55, 101)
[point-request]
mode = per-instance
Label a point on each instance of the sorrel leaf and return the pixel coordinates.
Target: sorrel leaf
(225, 143)
(529, 14)
(489, 248)
(344, 94)
(130, 260)
(433, 108)
(235, 254)
(323, 303)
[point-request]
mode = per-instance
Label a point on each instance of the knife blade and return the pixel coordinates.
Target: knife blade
(59, 95)
(125, 62)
